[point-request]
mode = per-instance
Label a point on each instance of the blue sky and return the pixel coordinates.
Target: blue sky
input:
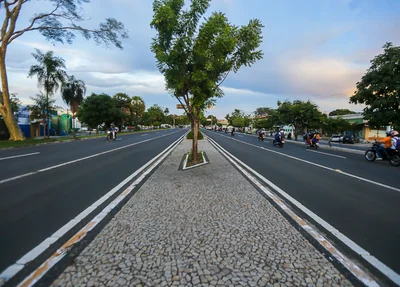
(313, 49)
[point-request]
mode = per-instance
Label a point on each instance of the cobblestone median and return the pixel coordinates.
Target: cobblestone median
(205, 226)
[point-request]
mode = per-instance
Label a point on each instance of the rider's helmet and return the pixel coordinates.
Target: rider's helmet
(394, 133)
(388, 133)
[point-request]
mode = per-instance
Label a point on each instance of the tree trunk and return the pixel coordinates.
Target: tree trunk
(195, 124)
(5, 109)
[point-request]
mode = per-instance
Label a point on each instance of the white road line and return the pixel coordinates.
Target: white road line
(144, 135)
(80, 159)
(20, 155)
(60, 253)
(323, 166)
(316, 234)
(327, 153)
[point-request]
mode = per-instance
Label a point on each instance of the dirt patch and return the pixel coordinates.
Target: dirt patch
(190, 161)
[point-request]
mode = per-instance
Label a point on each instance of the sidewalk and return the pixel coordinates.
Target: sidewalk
(206, 226)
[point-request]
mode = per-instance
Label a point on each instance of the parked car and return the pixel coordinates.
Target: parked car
(351, 138)
(336, 138)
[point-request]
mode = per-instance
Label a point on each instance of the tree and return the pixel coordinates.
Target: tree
(341, 112)
(334, 125)
(138, 108)
(229, 119)
(50, 75)
(98, 109)
(166, 111)
(15, 104)
(239, 119)
(194, 60)
(14, 101)
(58, 25)
(73, 92)
(379, 89)
(154, 114)
(299, 114)
(262, 111)
(123, 102)
(41, 108)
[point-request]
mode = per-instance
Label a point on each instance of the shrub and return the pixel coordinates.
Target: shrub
(190, 135)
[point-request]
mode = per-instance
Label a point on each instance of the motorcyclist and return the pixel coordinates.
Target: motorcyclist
(113, 132)
(261, 133)
(385, 145)
(233, 131)
(395, 140)
(278, 136)
(316, 137)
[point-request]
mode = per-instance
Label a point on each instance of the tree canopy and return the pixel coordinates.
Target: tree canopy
(262, 111)
(195, 58)
(73, 92)
(98, 109)
(302, 115)
(59, 24)
(154, 114)
(341, 112)
(379, 89)
(138, 108)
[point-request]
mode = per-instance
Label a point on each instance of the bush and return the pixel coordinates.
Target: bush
(190, 135)
(137, 128)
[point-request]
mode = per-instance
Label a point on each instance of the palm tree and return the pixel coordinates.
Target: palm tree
(50, 75)
(73, 92)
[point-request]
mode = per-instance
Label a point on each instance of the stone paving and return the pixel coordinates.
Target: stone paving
(205, 226)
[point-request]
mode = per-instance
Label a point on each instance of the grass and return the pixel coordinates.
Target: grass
(34, 142)
(31, 142)
(190, 161)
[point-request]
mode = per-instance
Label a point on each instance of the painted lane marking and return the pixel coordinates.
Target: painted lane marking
(144, 135)
(339, 156)
(21, 155)
(351, 266)
(62, 251)
(80, 159)
(323, 166)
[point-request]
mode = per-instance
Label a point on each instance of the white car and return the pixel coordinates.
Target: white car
(336, 138)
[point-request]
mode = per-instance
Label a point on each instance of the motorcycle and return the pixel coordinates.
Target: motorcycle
(281, 143)
(392, 155)
(312, 144)
(261, 137)
(111, 135)
(232, 133)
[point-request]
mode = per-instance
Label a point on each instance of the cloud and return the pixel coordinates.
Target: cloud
(311, 50)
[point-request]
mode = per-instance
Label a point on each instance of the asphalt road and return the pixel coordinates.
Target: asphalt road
(33, 207)
(367, 213)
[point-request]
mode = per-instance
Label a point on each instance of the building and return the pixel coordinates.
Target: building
(361, 128)
(223, 122)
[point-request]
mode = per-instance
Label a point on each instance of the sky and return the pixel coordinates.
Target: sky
(313, 50)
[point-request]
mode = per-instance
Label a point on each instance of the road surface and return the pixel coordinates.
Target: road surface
(366, 212)
(33, 205)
